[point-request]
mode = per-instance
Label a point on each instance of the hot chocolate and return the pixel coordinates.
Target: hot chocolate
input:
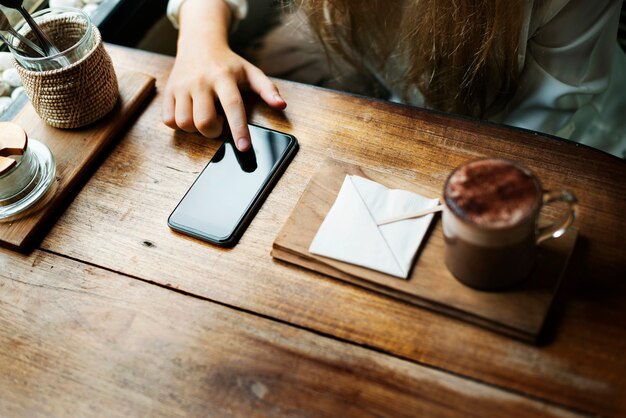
(492, 193)
(489, 223)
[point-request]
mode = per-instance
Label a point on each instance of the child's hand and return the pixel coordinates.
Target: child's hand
(199, 79)
(207, 70)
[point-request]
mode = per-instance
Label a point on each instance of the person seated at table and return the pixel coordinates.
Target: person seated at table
(548, 66)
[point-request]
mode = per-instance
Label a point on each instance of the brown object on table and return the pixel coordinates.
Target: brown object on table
(13, 139)
(76, 152)
(13, 142)
(519, 312)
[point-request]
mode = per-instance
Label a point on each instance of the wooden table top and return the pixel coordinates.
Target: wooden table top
(115, 315)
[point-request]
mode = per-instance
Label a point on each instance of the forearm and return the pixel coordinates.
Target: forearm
(203, 24)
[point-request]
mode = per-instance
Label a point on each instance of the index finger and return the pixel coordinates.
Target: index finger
(232, 103)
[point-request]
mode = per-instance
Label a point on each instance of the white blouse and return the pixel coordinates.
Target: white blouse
(573, 72)
(239, 8)
(573, 81)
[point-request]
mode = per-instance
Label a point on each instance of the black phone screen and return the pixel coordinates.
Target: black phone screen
(230, 185)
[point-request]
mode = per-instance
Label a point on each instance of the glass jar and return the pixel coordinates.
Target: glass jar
(70, 30)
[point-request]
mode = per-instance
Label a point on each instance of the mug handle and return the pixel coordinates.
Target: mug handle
(558, 228)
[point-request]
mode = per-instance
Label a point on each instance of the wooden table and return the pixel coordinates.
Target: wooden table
(115, 315)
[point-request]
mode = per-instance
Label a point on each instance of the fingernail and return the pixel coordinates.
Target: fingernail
(278, 98)
(243, 144)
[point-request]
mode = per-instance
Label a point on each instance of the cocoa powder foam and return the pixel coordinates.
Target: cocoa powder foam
(492, 193)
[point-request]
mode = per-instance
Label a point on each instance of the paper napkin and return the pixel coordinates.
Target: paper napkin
(350, 232)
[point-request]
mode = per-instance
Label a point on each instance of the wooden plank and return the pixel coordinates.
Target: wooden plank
(119, 221)
(80, 341)
(76, 153)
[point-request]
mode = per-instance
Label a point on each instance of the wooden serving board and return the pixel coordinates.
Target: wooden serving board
(519, 313)
(76, 152)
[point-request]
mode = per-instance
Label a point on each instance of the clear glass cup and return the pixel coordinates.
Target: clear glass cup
(69, 29)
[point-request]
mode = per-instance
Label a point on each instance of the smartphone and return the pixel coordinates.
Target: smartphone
(226, 195)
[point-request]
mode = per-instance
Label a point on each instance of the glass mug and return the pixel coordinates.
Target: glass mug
(490, 222)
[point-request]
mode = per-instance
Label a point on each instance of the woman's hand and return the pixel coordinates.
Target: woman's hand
(207, 71)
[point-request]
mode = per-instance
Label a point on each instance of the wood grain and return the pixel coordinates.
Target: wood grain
(13, 142)
(81, 341)
(13, 139)
(118, 221)
(519, 312)
(76, 152)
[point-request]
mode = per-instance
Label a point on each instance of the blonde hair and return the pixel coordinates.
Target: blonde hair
(460, 54)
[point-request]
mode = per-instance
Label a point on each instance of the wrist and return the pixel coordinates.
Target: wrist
(204, 23)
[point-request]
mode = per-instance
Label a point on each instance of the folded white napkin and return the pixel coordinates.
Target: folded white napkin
(350, 232)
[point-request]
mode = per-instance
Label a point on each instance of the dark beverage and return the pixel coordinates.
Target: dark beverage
(490, 223)
(489, 268)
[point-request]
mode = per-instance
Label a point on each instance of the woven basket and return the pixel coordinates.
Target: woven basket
(80, 93)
